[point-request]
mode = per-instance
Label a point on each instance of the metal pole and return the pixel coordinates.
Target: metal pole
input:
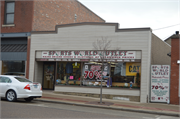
(101, 83)
(101, 93)
(109, 74)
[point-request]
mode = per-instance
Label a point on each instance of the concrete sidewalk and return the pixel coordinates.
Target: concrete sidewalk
(153, 108)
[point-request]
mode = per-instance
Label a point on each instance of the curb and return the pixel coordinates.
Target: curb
(113, 108)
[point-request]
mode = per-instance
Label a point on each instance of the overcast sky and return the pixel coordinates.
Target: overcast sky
(155, 14)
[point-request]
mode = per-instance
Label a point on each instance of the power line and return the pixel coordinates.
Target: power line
(166, 27)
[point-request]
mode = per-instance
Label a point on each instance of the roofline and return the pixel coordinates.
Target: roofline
(168, 38)
(173, 36)
(90, 10)
(161, 40)
(92, 23)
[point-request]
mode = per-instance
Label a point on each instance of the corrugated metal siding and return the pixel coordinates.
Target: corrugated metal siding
(82, 37)
(13, 56)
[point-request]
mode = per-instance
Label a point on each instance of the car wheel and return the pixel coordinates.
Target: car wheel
(28, 99)
(11, 96)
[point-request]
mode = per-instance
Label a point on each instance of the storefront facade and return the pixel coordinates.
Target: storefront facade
(62, 57)
(13, 59)
(68, 67)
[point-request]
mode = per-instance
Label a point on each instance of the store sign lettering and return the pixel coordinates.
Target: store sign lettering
(91, 74)
(134, 68)
(89, 54)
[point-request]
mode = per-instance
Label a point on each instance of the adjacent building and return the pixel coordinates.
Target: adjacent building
(174, 41)
(19, 18)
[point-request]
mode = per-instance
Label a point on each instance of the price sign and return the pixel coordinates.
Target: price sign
(93, 71)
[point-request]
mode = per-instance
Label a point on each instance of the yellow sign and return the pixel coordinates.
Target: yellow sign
(76, 65)
(133, 68)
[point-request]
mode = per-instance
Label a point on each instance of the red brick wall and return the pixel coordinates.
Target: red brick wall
(48, 14)
(22, 18)
(174, 99)
(45, 15)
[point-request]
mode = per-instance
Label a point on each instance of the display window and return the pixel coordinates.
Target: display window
(123, 73)
(94, 72)
(68, 73)
(13, 68)
(114, 74)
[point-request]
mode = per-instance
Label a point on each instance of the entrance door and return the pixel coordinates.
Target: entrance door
(48, 75)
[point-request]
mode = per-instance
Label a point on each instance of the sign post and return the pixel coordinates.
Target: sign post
(160, 82)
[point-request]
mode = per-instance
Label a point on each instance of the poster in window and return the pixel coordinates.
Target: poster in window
(95, 72)
(132, 68)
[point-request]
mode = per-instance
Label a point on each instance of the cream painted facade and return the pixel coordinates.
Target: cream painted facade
(81, 36)
(159, 51)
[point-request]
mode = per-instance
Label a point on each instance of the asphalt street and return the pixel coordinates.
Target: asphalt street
(37, 109)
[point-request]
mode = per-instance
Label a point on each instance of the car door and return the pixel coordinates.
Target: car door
(4, 85)
(1, 94)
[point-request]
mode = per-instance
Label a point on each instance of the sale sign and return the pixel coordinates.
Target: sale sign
(95, 72)
(160, 81)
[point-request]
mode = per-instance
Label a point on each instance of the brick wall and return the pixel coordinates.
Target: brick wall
(48, 14)
(22, 17)
(40, 15)
(174, 99)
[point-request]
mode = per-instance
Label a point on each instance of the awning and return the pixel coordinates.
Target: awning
(13, 47)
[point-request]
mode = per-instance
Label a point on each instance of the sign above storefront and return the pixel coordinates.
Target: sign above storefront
(89, 54)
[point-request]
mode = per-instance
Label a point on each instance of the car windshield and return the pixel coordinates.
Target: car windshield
(21, 79)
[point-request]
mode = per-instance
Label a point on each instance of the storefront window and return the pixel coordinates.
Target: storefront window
(94, 72)
(68, 73)
(13, 68)
(112, 74)
(124, 73)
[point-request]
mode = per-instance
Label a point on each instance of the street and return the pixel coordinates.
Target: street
(37, 109)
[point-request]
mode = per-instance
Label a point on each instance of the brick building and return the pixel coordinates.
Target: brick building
(19, 18)
(175, 66)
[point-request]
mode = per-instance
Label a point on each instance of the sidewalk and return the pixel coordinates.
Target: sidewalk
(153, 108)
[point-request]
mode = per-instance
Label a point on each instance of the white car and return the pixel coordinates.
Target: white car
(14, 87)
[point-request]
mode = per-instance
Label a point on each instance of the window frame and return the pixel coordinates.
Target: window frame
(5, 12)
(22, 79)
(9, 80)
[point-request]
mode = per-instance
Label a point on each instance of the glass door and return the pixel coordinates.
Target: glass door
(48, 75)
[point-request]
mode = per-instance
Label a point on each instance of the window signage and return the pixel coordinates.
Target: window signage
(93, 71)
(133, 68)
(89, 54)
(160, 83)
